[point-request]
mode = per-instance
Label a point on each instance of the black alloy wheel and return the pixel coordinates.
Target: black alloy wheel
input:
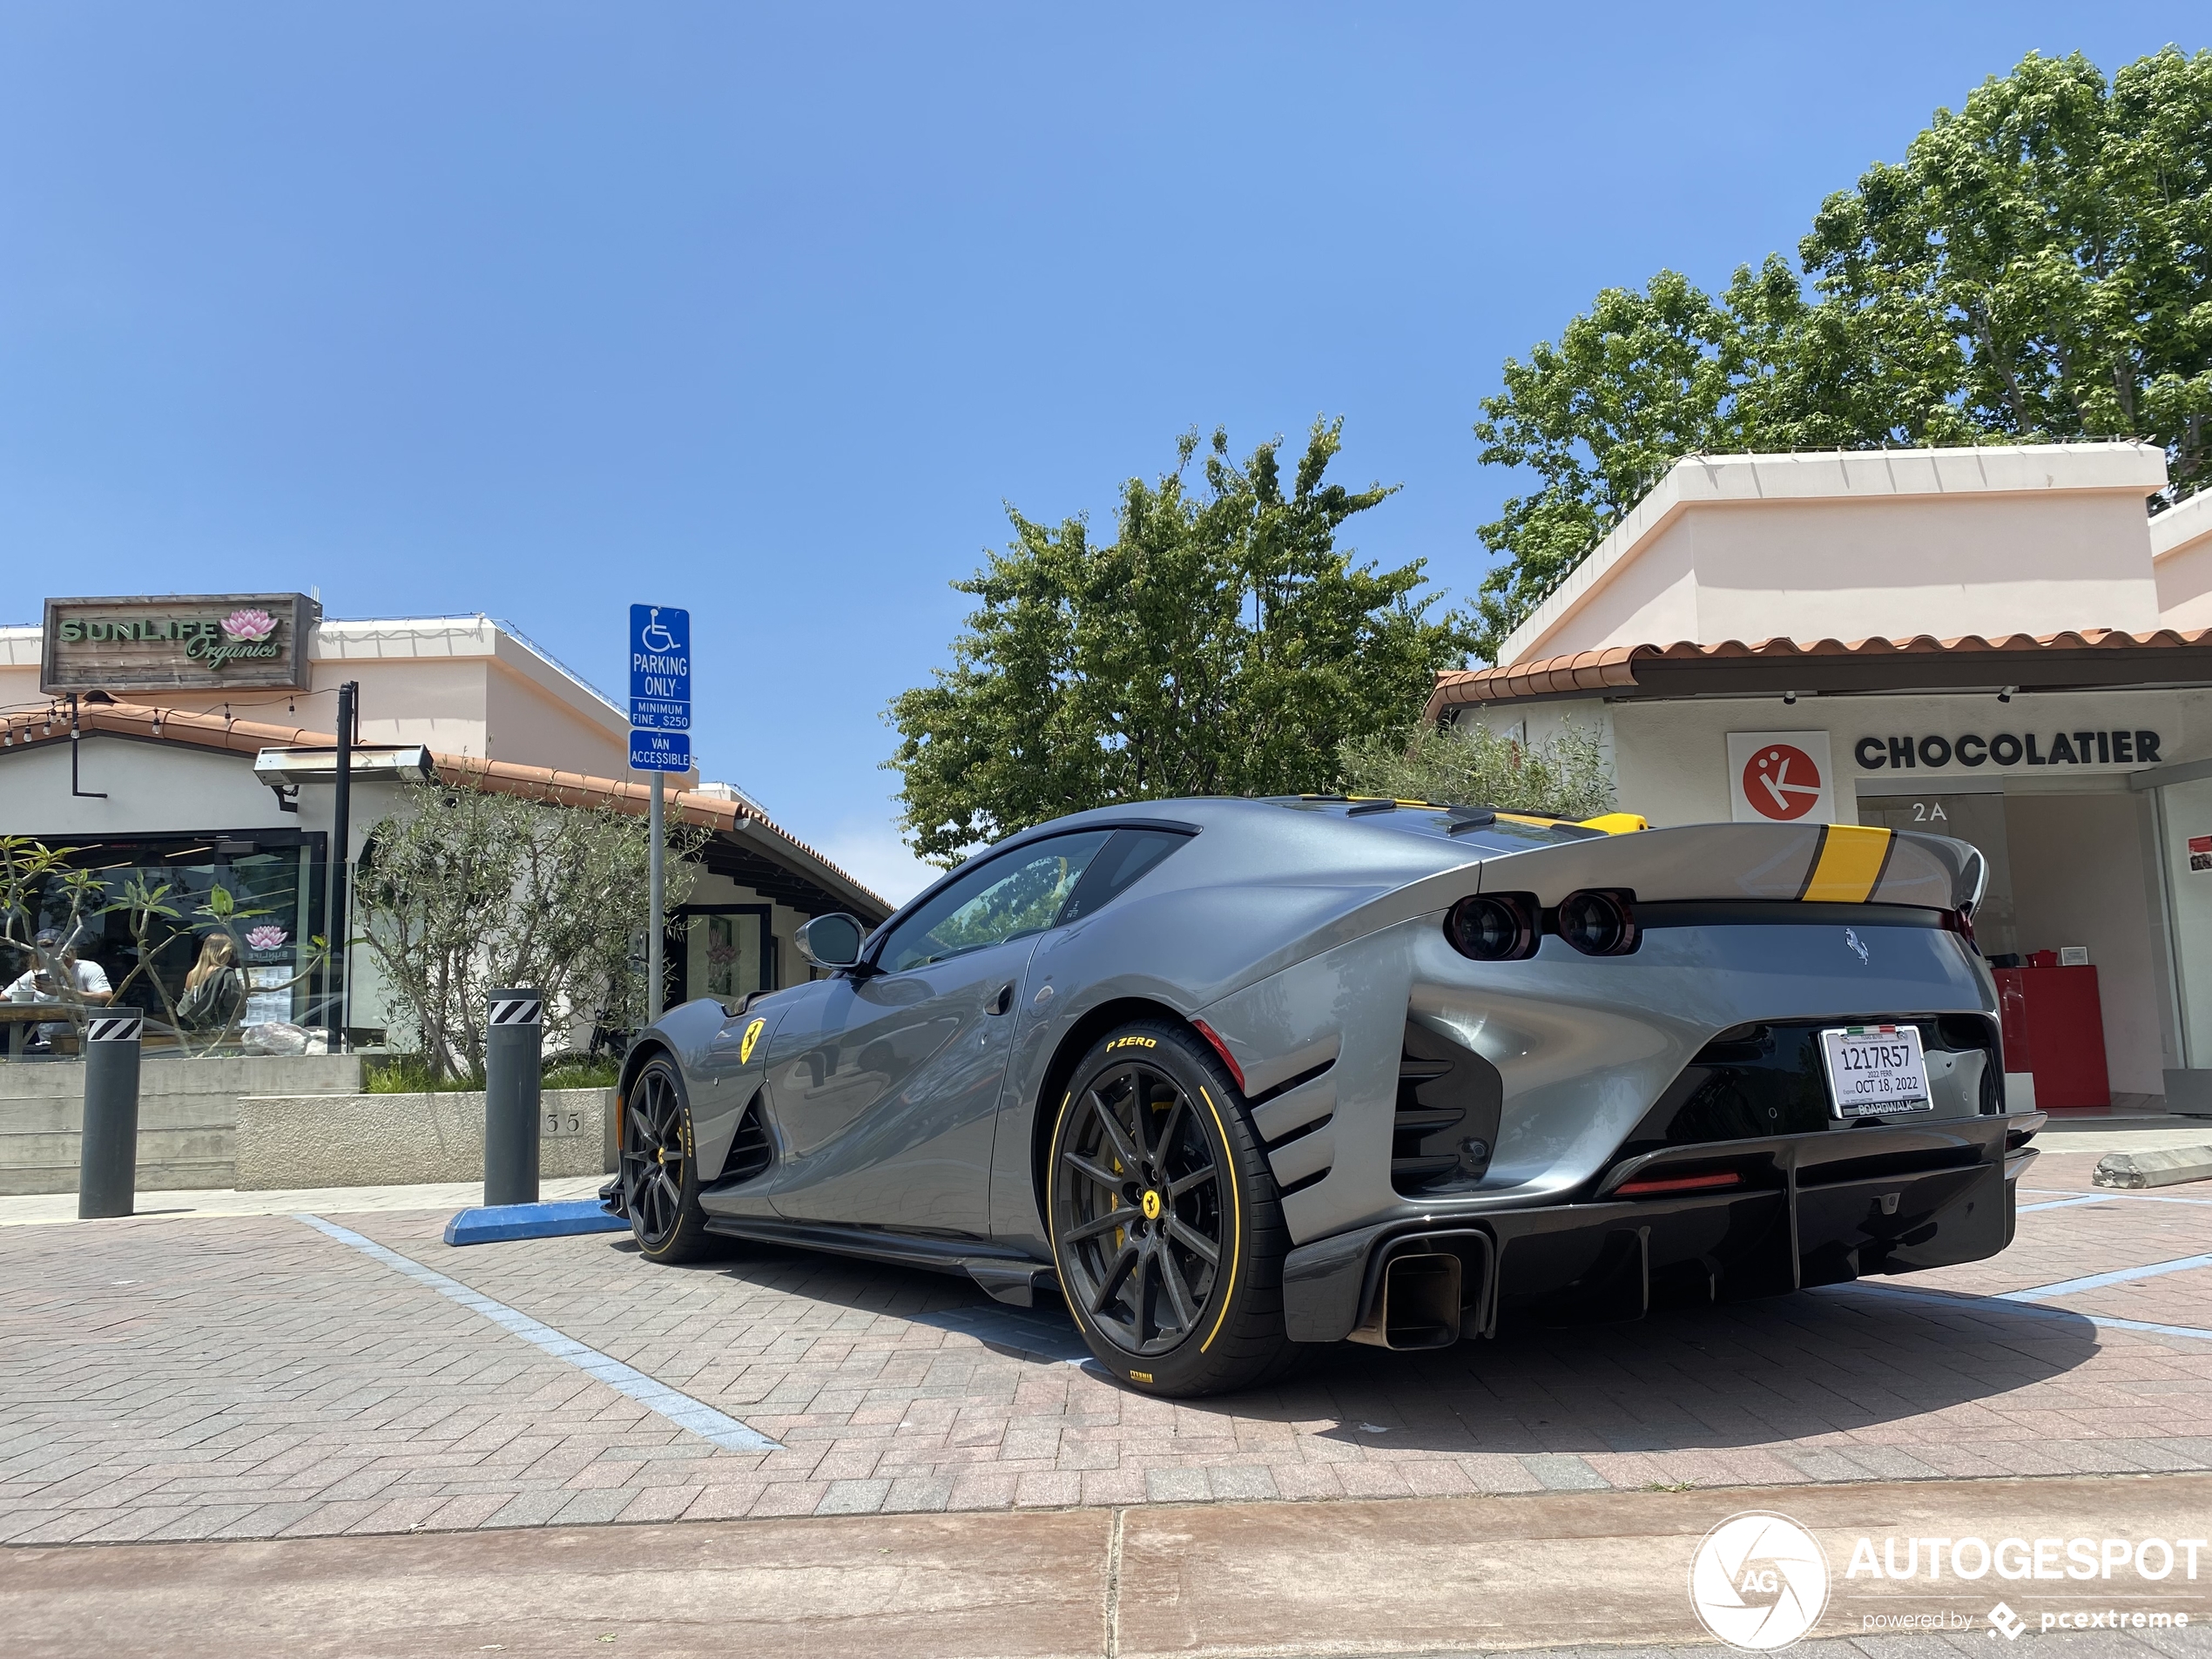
(659, 1181)
(1166, 1225)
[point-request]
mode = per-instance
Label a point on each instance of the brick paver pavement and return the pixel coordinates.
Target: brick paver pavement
(249, 1377)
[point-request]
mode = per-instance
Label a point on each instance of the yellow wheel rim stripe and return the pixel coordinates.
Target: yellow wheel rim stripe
(1236, 1217)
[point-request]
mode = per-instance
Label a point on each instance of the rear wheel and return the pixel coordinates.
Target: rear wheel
(660, 1186)
(1166, 1227)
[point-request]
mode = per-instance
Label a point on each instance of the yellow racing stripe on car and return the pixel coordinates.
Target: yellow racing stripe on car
(1236, 1217)
(1847, 864)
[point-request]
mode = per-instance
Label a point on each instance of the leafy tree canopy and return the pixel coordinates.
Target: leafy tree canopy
(2038, 268)
(1469, 765)
(1223, 644)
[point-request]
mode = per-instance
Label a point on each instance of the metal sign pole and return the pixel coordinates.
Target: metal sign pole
(656, 926)
(660, 741)
(341, 833)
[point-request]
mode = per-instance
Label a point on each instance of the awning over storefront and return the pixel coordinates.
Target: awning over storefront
(2091, 659)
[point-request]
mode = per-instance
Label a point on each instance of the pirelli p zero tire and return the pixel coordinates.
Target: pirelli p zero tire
(660, 1182)
(1166, 1227)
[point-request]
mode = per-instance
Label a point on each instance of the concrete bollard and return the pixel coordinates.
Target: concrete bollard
(514, 1053)
(107, 1168)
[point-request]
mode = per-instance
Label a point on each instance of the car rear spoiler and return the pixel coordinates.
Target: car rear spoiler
(1806, 863)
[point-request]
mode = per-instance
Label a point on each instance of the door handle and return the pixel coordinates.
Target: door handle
(1003, 1001)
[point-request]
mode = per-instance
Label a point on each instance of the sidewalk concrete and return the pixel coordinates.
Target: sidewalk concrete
(1221, 1581)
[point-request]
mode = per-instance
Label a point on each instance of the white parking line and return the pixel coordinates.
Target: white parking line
(656, 1397)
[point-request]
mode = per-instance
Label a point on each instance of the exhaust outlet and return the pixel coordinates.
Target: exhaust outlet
(1417, 1303)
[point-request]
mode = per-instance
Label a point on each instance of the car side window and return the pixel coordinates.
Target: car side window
(1130, 855)
(1021, 892)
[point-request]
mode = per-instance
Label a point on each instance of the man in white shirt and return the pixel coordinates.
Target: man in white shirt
(39, 984)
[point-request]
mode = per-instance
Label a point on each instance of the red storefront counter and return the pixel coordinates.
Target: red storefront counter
(2054, 1026)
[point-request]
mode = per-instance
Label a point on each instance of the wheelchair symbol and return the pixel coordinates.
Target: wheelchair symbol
(646, 635)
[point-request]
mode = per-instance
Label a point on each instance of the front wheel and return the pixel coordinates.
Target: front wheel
(1166, 1226)
(660, 1184)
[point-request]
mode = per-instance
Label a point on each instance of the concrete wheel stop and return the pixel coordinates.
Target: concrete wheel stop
(2165, 1169)
(494, 1224)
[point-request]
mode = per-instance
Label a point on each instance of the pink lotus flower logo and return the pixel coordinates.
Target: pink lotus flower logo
(266, 938)
(250, 625)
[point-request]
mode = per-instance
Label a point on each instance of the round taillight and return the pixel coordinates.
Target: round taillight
(1597, 923)
(1493, 928)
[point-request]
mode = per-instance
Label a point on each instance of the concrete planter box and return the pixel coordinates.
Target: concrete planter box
(391, 1140)
(187, 1114)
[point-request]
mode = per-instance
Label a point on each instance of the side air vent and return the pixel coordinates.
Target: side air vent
(1446, 1125)
(750, 1153)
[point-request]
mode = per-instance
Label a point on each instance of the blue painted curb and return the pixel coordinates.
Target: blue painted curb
(491, 1224)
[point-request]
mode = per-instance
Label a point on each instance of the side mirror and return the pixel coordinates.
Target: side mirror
(832, 941)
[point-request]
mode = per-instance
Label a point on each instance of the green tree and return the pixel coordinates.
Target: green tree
(1468, 765)
(2038, 268)
(463, 890)
(1223, 644)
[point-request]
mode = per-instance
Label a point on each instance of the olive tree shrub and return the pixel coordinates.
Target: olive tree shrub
(464, 891)
(1565, 775)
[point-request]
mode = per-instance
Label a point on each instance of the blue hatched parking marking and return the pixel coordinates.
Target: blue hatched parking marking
(681, 1409)
(2099, 1281)
(1959, 1303)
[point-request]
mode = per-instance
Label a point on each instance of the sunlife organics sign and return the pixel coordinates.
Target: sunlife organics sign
(202, 641)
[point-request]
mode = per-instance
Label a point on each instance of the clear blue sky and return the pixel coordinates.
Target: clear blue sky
(539, 309)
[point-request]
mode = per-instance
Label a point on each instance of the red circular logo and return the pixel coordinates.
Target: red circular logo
(1781, 782)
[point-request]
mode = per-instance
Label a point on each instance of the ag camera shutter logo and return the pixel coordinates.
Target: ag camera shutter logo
(1759, 1581)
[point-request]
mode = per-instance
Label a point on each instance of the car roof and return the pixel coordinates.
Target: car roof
(1475, 830)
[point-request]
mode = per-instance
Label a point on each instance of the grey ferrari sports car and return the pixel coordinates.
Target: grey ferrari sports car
(1233, 1077)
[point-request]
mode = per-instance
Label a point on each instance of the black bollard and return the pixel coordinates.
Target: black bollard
(107, 1167)
(514, 1049)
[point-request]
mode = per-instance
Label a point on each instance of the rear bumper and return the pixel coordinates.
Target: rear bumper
(1813, 1209)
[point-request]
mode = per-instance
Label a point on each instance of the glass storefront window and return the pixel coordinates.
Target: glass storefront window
(268, 909)
(721, 951)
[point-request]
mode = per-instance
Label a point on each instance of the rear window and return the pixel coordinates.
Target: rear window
(1127, 858)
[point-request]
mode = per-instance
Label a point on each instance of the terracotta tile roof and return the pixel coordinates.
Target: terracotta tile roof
(2033, 662)
(217, 732)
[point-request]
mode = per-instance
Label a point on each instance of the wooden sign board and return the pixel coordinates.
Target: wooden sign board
(203, 641)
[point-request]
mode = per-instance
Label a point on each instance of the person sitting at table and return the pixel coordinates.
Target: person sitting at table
(40, 984)
(214, 990)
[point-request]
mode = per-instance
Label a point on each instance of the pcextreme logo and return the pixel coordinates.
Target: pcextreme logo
(1759, 1581)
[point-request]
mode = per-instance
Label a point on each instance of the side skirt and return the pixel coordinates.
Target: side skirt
(1007, 1276)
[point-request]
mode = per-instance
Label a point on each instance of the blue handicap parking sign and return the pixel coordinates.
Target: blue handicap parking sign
(660, 752)
(660, 668)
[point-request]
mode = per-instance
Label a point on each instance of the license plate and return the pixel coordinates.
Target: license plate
(1876, 1069)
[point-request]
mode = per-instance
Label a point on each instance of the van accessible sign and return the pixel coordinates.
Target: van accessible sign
(170, 643)
(2101, 747)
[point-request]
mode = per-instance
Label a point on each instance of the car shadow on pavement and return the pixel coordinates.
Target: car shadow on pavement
(1740, 1374)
